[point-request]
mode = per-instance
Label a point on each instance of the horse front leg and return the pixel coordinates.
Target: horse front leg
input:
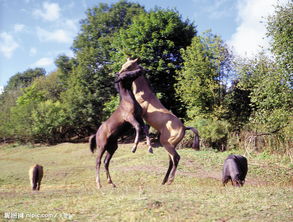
(136, 126)
(146, 131)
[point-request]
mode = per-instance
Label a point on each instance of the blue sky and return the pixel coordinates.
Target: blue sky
(34, 32)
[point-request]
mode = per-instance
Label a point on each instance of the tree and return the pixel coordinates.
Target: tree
(238, 104)
(201, 82)
(24, 79)
(90, 84)
(280, 29)
(14, 89)
(202, 87)
(156, 38)
(270, 94)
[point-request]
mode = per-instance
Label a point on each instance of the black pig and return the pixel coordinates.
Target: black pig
(235, 169)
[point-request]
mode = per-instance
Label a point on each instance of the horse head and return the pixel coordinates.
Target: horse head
(130, 65)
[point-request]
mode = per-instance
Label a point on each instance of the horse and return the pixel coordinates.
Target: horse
(128, 112)
(235, 169)
(171, 129)
(36, 173)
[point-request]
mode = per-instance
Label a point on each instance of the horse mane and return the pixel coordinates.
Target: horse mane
(116, 84)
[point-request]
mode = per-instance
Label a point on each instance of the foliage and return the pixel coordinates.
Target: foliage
(237, 102)
(156, 38)
(280, 29)
(193, 76)
(201, 84)
(270, 94)
(110, 106)
(90, 83)
(24, 79)
(11, 123)
(213, 132)
(49, 122)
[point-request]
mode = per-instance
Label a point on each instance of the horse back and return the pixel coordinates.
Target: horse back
(36, 175)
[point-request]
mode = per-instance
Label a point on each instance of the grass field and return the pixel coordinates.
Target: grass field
(68, 192)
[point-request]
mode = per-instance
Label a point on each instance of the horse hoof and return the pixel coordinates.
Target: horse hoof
(151, 150)
(169, 182)
(133, 150)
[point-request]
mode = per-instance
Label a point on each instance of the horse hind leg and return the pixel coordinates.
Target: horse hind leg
(98, 165)
(173, 163)
(168, 171)
(107, 160)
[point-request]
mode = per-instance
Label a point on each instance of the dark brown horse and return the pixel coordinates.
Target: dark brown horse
(170, 127)
(128, 112)
(36, 174)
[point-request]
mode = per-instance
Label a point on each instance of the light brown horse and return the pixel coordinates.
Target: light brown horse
(171, 129)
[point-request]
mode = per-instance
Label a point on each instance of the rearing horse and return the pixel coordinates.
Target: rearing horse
(155, 114)
(128, 111)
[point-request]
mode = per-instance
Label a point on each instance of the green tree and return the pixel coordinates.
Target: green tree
(8, 98)
(270, 94)
(156, 38)
(49, 122)
(238, 104)
(90, 84)
(24, 79)
(280, 29)
(202, 81)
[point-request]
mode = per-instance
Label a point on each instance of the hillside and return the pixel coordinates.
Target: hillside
(68, 191)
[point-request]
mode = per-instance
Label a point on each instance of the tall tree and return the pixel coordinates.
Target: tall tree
(156, 38)
(24, 79)
(201, 83)
(90, 83)
(270, 94)
(280, 29)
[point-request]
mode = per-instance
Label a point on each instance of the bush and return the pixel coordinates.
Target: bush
(49, 121)
(213, 132)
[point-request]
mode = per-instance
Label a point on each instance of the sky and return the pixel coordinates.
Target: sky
(33, 33)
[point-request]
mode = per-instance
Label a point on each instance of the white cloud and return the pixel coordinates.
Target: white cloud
(43, 62)
(49, 11)
(250, 35)
(19, 27)
(218, 9)
(33, 51)
(71, 24)
(215, 9)
(7, 44)
(58, 35)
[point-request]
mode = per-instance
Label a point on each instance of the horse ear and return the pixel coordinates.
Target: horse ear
(136, 60)
(128, 59)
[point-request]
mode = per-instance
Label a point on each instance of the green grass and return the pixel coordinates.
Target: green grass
(68, 192)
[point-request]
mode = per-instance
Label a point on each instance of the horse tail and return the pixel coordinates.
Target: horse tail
(195, 144)
(93, 143)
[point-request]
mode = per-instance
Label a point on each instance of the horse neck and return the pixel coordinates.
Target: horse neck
(126, 94)
(142, 85)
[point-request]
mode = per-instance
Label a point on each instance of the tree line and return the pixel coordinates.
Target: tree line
(232, 101)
